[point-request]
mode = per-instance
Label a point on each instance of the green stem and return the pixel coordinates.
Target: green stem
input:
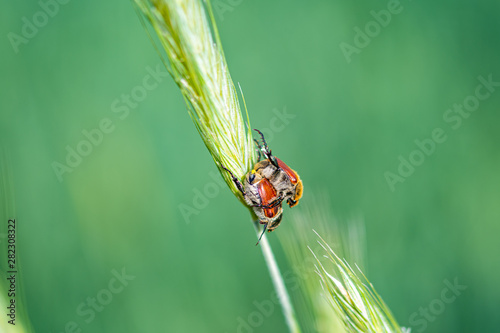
(279, 284)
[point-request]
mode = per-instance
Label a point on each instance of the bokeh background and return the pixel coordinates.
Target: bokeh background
(347, 124)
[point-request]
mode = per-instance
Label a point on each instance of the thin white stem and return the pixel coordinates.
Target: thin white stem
(279, 284)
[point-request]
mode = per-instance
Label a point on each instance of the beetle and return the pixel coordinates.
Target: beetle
(267, 185)
(284, 179)
(259, 194)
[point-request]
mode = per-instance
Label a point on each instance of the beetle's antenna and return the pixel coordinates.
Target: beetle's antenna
(262, 234)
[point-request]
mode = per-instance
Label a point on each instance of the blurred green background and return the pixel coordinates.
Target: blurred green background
(348, 123)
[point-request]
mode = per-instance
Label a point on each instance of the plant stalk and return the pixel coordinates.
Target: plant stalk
(279, 284)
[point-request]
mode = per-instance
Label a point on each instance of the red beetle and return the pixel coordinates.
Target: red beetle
(269, 183)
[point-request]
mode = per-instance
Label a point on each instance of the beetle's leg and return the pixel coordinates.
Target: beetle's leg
(259, 155)
(235, 180)
(265, 149)
(273, 204)
(262, 234)
(273, 160)
(258, 149)
(262, 136)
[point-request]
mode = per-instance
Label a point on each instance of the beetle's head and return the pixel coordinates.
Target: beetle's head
(299, 188)
(275, 222)
(271, 225)
(253, 177)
